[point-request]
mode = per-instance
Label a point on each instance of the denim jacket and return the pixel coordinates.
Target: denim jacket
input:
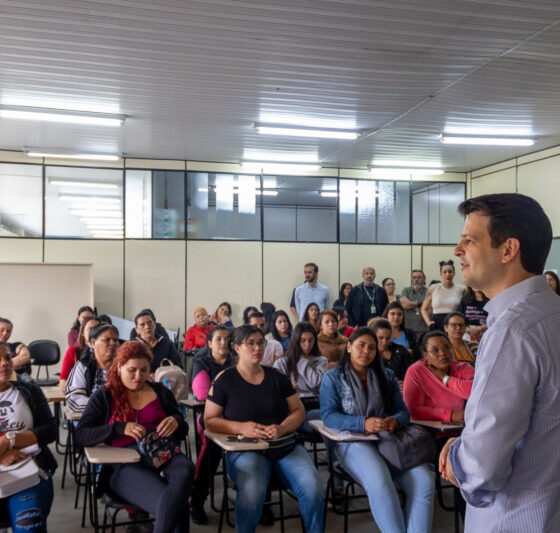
(337, 402)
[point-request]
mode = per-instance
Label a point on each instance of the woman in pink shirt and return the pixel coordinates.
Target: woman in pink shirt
(437, 387)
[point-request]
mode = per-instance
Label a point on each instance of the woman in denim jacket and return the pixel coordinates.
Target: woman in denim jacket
(360, 395)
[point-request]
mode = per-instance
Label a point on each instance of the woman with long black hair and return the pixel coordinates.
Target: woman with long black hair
(360, 395)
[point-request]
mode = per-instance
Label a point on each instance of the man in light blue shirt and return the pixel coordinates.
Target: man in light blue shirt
(507, 460)
(311, 291)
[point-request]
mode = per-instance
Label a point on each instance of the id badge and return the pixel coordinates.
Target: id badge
(372, 309)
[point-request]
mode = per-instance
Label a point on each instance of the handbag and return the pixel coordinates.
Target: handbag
(279, 448)
(157, 450)
(406, 448)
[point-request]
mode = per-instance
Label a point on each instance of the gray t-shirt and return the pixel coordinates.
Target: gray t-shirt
(15, 414)
(413, 317)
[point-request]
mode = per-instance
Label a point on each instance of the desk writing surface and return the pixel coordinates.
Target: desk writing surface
(436, 424)
(191, 403)
(53, 394)
(340, 436)
(221, 440)
(104, 454)
(71, 415)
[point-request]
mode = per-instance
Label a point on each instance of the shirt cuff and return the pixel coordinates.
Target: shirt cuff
(476, 498)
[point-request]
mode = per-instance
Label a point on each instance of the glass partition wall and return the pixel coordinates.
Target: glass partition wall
(103, 203)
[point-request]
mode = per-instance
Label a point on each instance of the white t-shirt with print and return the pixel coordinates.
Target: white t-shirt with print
(15, 414)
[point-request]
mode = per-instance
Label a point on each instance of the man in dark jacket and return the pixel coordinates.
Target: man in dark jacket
(366, 300)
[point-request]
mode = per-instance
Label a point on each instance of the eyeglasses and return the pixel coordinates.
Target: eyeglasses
(145, 325)
(455, 325)
(252, 344)
(436, 351)
(392, 284)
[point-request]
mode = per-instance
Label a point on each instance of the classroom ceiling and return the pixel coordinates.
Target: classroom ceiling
(193, 76)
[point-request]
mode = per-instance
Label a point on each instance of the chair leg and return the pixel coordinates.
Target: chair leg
(281, 500)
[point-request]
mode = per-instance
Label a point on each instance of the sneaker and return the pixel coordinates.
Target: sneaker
(143, 527)
(267, 516)
(198, 515)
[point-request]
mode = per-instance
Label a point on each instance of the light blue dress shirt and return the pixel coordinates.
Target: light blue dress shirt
(306, 294)
(507, 459)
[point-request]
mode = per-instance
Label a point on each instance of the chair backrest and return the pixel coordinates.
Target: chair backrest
(44, 352)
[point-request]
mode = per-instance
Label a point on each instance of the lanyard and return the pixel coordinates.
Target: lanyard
(372, 308)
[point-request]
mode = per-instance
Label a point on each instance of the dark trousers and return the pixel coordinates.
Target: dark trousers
(207, 466)
(163, 493)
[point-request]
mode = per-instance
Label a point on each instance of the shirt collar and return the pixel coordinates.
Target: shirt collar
(505, 299)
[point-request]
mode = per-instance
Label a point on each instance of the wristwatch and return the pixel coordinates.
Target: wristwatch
(445, 379)
(11, 436)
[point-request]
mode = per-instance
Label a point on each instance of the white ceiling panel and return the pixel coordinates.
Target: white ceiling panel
(194, 76)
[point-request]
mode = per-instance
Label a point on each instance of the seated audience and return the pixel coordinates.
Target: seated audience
(83, 312)
(311, 315)
(247, 312)
(394, 356)
(345, 289)
(267, 309)
(206, 366)
(302, 362)
(255, 401)
(25, 419)
(160, 330)
(454, 326)
(222, 315)
(553, 281)
(196, 335)
(272, 348)
(389, 285)
(472, 306)
(89, 373)
(343, 327)
(331, 343)
(436, 387)
(280, 329)
(79, 350)
(400, 334)
(18, 351)
(105, 319)
(121, 414)
(360, 395)
(161, 347)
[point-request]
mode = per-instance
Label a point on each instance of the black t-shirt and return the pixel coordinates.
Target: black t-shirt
(243, 402)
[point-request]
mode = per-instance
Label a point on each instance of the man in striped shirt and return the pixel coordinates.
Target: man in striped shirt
(507, 460)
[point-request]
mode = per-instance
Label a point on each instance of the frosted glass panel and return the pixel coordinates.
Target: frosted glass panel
(169, 204)
(139, 204)
(21, 200)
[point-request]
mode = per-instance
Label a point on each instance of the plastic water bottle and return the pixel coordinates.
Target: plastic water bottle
(166, 383)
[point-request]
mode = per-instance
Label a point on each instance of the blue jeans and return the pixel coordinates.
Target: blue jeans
(251, 472)
(28, 509)
(364, 463)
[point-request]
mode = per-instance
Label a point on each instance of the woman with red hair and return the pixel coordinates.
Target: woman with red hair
(127, 410)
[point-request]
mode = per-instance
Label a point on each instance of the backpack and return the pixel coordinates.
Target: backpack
(174, 378)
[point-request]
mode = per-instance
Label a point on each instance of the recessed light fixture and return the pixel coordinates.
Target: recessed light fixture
(61, 115)
(297, 131)
(88, 184)
(487, 140)
(288, 168)
(404, 173)
(56, 154)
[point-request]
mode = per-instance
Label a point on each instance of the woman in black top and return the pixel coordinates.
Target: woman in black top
(25, 419)
(255, 401)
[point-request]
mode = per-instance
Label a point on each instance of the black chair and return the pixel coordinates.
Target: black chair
(44, 353)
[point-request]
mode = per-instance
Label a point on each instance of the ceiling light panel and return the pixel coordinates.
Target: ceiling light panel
(61, 115)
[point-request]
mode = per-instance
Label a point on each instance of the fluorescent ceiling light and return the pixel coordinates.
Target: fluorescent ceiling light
(279, 129)
(100, 220)
(75, 183)
(487, 140)
(307, 121)
(328, 194)
(117, 215)
(92, 199)
(402, 163)
(291, 168)
(265, 192)
(280, 157)
(61, 115)
(406, 173)
(32, 152)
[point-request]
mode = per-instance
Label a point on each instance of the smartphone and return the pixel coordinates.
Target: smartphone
(231, 438)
